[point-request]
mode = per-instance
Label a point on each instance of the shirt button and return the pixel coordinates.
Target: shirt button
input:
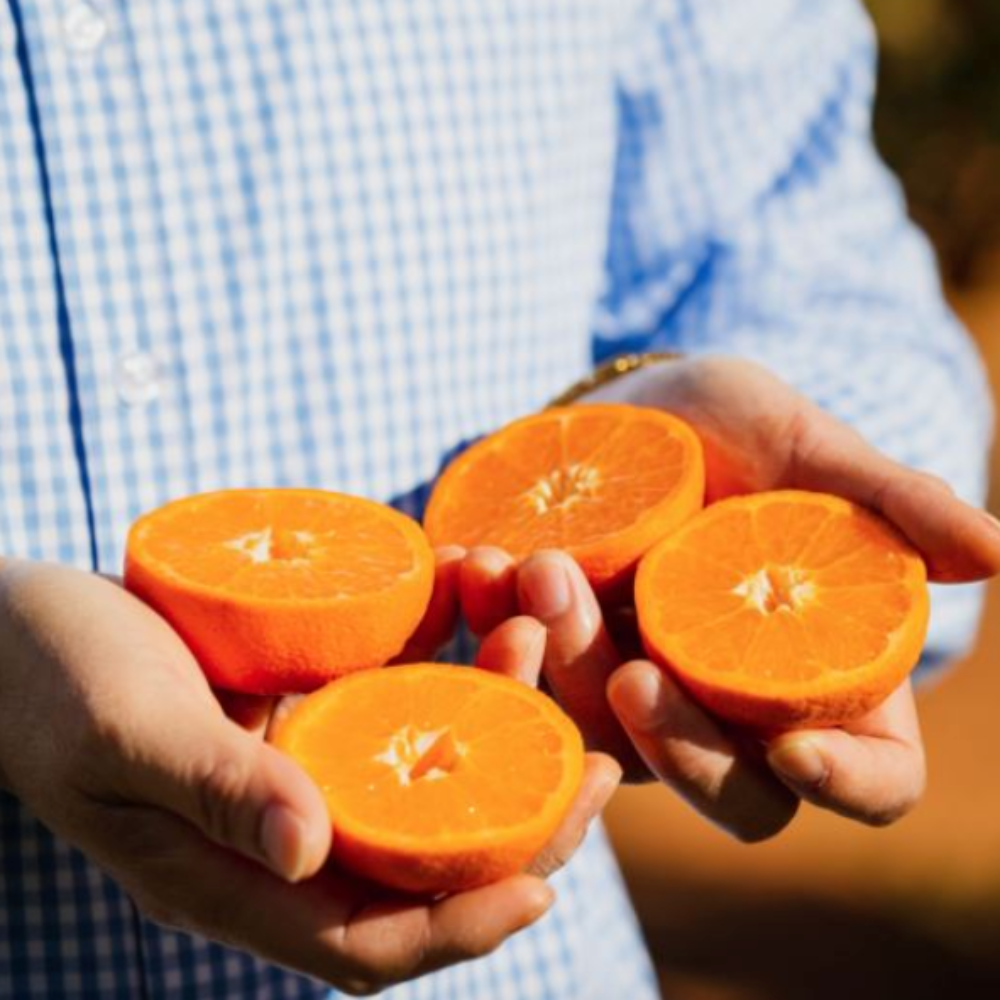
(137, 379)
(84, 27)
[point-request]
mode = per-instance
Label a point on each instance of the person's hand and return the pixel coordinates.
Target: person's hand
(759, 434)
(111, 737)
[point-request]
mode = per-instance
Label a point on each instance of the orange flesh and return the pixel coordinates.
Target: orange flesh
(435, 756)
(602, 482)
(274, 544)
(783, 593)
(279, 590)
(566, 482)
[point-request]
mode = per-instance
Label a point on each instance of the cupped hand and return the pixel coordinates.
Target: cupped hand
(871, 770)
(759, 434)
(110, 735)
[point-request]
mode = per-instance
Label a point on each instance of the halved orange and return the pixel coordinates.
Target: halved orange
(785, 610)
(438, 778)
(603, 482)
(280, 590)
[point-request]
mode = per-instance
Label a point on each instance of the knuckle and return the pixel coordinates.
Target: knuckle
(799, 433)
(396, 954)
(93, 753)
(365, 978)
(419, 951)
(480, 947)
(219, 784)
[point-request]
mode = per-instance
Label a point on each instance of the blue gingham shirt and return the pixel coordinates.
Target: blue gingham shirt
(323, 243)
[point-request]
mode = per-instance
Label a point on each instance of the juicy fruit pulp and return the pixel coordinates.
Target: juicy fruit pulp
(438, 778)
(602, 482)
(785, 609)
(279, 590)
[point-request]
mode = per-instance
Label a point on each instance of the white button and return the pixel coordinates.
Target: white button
(137, 379)
(84, 27)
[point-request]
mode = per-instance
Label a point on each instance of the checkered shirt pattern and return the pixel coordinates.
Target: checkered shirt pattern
(306, 242)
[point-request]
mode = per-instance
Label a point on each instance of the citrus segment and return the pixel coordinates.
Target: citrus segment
(437, 778)
(280, 590)
(785, 609)
(603, 482)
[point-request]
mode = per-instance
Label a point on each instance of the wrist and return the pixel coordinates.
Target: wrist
(654, 383)
(615, 380)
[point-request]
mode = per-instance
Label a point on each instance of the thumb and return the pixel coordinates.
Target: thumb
(239, 792)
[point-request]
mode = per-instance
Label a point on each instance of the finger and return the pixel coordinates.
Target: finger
(391, 942)
(438, 623)
(515, 649)
(238, 791)
(579, 653)
(601, 777)
(153, 734)
(332, 927)
(959, 543)
(874, 774)
(687, 749)
(487, 588)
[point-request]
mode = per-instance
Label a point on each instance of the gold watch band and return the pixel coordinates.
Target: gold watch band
(609, 371)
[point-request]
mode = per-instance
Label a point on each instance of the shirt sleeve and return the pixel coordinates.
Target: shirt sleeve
(752, 216)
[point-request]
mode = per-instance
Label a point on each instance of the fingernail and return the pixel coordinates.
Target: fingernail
(282, 842)
(638, 695)
(800, 761)
(494, 561)
(545, 588)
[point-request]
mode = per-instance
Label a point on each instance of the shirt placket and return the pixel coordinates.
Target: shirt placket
(106, 215)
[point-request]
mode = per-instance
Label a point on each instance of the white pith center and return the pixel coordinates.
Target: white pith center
(261, 547)
(421, 755)
(563, 487)
(776, 589)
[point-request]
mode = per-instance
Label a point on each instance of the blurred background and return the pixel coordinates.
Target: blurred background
(830, 910)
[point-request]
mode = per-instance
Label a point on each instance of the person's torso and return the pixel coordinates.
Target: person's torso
(300, 243)
(250, 242)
